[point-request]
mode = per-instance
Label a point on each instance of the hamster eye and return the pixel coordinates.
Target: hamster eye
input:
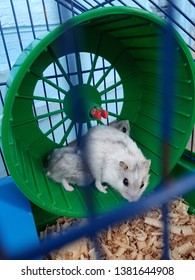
(126, 182)
(142, 185)
(124, 129)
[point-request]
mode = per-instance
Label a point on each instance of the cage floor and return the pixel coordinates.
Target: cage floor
(140, 239)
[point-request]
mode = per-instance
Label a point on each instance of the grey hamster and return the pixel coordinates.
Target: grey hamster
(115, 159)
(122, 125)
(65, 165)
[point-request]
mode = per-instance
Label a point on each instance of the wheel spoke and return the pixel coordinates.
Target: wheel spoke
(112, 100)
(55, 100)
(92, 69)
(111, 87)
(79, 69)
(36, 118)
(111, 67)
(35, 97)
(48, 82)
(100, 122)
(112, 114)
(56, 126)
(95, 59)
(48, 114)
(67, 133)
(121, 82)
(61, 68)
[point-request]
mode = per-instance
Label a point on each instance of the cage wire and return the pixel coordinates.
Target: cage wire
(43, 107)
(66, 9)
(128, 211)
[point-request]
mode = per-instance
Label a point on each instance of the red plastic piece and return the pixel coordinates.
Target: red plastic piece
(96, 114)
(104, 114)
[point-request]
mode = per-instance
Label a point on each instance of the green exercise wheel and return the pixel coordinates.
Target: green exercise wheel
(108, 58)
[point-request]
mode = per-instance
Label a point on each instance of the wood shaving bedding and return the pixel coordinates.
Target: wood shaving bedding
(138, 239)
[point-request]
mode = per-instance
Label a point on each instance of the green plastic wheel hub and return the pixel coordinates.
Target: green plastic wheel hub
(79, 101)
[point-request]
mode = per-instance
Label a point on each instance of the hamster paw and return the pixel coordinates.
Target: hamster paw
(100, 187)
(67, 186)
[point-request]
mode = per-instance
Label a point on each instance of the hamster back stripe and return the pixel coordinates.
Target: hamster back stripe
(117, 53)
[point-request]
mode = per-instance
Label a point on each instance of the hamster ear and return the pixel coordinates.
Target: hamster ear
(146, 164)
(123, 165)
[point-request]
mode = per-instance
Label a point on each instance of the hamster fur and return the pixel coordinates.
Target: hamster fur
(114, 158)
(65, 165)
(122, 125)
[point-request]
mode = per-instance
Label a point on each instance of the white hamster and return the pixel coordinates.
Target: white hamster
(115, 159)
(65, 165)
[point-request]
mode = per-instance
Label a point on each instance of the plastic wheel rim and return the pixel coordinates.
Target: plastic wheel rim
(106, 33)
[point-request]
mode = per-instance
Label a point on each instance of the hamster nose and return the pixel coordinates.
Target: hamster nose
(135, 198)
